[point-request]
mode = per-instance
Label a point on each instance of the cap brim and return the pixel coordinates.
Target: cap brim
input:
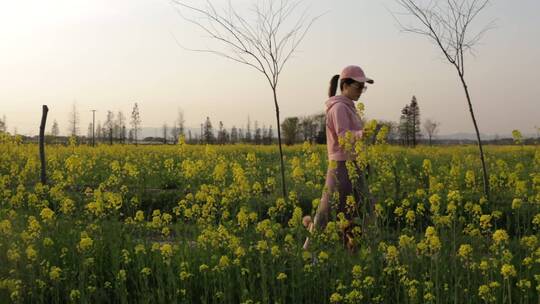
(365, 79)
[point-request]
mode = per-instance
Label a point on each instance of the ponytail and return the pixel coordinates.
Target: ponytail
(333, 86)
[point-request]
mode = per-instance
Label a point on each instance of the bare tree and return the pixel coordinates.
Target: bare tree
(89, 133)
(181, 128)
(120, 126)
(3, 125)
(74, 121)
(447, 25)
(265, 43)
(290, 127)
(135, 122)
(431, 128)
(109, 125)
(165, 132)
(99, 131)
(55, 130)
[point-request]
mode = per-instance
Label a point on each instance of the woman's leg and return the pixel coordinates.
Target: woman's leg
(323, 210)
(337, 180)
(330, 187)
(344, 188)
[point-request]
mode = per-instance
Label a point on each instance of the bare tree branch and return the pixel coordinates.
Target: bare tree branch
(448, 27)
(266, 42)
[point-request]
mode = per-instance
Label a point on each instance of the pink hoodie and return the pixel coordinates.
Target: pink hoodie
(341, 116)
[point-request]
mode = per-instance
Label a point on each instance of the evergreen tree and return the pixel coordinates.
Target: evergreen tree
(208, 132)
(248, 132)
(234, 135)
(55, 130)
(270, 135)
(241, 135)
(404, 128)
(221, 134)
(257, 138)
(264, 135)
(414, 118)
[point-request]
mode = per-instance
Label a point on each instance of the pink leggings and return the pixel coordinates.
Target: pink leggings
(337, 179)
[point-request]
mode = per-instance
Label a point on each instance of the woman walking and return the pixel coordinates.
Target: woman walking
(341, 117)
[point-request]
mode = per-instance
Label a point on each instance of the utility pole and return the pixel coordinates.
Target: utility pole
(93, 127)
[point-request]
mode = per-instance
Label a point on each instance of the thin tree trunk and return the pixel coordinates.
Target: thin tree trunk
(42, 144)
(485, 174)
(283, 188)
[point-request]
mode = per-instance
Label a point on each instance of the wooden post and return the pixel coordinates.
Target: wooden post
(42, 144)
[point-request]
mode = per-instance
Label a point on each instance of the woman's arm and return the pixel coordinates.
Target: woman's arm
(343, 122)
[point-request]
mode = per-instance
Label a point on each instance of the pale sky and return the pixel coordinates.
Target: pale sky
(108, 54)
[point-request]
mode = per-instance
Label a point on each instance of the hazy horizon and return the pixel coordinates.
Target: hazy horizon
(107, 55)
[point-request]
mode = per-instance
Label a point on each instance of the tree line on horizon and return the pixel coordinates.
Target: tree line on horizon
(118, 129)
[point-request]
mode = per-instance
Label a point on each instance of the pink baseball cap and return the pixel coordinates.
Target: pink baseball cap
(356, 73)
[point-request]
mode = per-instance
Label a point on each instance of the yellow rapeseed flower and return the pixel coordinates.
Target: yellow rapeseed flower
(224, 262)
(121, 276)
(508, 270)
(74, 295)
(5, 227)
(406, 241)
(139, 216)
(391, 254)
(139, 248)
(410, 217)
(31, 253)
(86, 242)
(47, 215)
(323, 256)
(465, 251)
(67, 206)
(336, 298)
(146, 271)
(55, 273)
(500, 236)
(516, 203)
(485, 221)
(357, 271)
(166, 250)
